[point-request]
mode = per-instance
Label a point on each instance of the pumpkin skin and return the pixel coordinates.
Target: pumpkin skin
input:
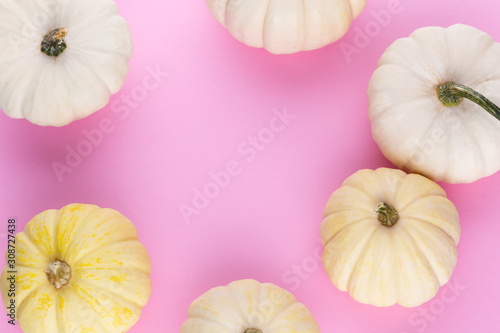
(286, 26)
(56, 90)
(247, 306)
(413, 128)
(110, 270)
(380, 265)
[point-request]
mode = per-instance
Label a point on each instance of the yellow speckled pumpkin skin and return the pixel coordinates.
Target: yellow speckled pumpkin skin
(247, 306)
(110, 271)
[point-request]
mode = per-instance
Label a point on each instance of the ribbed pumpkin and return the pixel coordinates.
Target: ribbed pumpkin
(390, 237)
(60, 60)
(247, 306)
(80, 269)
(286, 26)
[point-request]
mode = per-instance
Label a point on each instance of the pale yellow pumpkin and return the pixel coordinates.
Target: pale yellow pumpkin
(390, 237)
(248, 306)
(79, 269)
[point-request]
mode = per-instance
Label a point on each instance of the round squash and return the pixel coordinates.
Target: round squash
(390, 237)
(61, 59)
(286, 26)
(248, 306)
(432, 103)
(80, 269)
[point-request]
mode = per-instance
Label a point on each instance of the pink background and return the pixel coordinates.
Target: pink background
(266, 221)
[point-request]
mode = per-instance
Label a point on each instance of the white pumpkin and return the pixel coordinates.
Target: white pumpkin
(390, 237)
(80, 269)
(420, 122)
(286, 26)
(248, 306)
(60, 60)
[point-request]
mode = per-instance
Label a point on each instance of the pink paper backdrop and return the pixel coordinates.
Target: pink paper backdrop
(165, 142)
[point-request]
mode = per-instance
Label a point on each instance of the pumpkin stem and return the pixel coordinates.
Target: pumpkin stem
(451, 94)
(252, 330)
(53, 43)
(58, 273)
(387, 215)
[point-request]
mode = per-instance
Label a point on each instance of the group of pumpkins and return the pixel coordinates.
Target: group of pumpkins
(389, 237)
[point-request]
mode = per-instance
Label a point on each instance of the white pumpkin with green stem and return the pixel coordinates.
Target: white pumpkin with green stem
(247, 306)
(286, 26)
(433, 103)
(60, 60)
(390, 237)
(80, 269)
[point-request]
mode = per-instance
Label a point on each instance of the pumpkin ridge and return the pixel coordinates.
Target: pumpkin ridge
(390, 106)
(92, 25)
(378, 261)
(264, 24)
(116, 216)
(63, 233)
(90, 70)
(19, 90)
(400, 292)
(291, 300)
(100, 50)
(211, 319)
(282, 312)
(83, 292)
(86, 282)
(59, 314)
(28, 111)
(361, 219)
(431, 250)
(357, 249)
(477, 152)
(80, 260)
(421, 281)
(361, 190)
(31, 244)
(97, 325)
(234, 289)
(363, 254)
(415, 200)
(221, 326)
(20, 18)
(304, 38)
(422, 255)
(29, 295)
(434, 226)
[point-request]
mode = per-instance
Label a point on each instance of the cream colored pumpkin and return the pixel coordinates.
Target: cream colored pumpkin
(431, 132)
(286, 26)
(248, 306)
(95, 259)
(390, 237)
(90, 47)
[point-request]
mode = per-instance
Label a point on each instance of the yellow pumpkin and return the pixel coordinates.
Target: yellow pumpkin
(247, 306)
(80, 269)
(390, 237)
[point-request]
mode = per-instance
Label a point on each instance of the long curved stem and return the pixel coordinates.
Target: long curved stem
(451, 93)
